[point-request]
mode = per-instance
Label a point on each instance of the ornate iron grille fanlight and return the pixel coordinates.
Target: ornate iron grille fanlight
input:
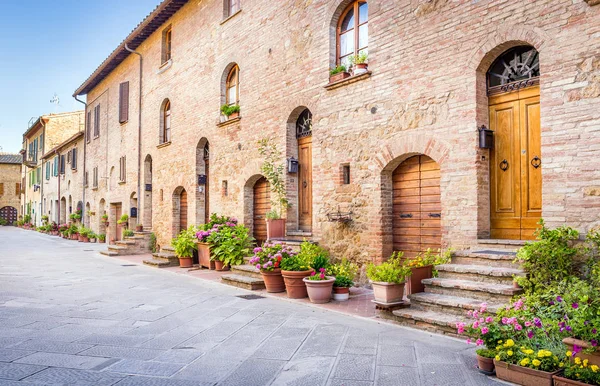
(517, 68)
(206, 152)
(304, 124)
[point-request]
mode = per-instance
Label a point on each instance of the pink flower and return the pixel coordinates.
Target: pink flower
(469, 341)
(528, 324)
(505, 320)
(479, 342)
(470, 312)
(489, 319)
(518, 327)
(475, 314)
(484, 330)
(475, 324)
(483, 307)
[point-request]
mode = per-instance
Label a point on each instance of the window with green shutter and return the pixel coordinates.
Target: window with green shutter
(47, 170)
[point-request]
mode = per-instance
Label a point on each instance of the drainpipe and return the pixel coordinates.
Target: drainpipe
(85, 139)
(42, 169)
(139, 178)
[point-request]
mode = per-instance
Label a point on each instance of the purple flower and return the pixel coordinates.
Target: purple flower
(559, 299)
(594, 331)
(537, 322)
(257, 266)
(586, 322)
(576, 349)
(594, 342)
(551, 302)
(569, 328)
(257, 249)
(575, 305)
(530, 334)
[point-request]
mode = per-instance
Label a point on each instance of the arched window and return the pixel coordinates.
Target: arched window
(232, 87)
(516, 68)
(165, 134)
(353, 32)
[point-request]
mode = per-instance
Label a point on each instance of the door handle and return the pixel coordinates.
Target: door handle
(504, 165)
(406, 215)
(536, 162)
(304, 184)
(435, 215)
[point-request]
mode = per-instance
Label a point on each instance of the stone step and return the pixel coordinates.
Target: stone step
(165, 256)
(448, 304)
(109, 253)
(241, 281)
(126, 242)
(487, 292)
(510, 245)
(428, 320)
(167, 248)
(488, 257)
(160, 263)
(480, 273)
(299, 234)
(246, 270)
(117, 247)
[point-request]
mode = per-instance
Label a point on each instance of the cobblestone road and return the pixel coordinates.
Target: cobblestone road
(71, 316)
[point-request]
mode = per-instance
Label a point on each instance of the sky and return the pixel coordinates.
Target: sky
(50, 47)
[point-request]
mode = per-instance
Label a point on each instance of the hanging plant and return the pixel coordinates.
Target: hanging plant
(273, 170)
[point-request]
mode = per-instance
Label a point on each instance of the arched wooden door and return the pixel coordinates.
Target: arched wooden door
(9, 214)
(416, 206)
(183, 211)
(262, 204)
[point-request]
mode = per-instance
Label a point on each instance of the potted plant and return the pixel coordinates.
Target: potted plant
(268, 260)
(128, 233)
(485, 361)
(229, 245)
(105, 219)
(185, 245)
(92, 236)
(422, 267)
(338, 73)
(578, 372)
(123, 220)
(359, 63)
(139, 227)
(273, 170)
(319, 286)
(75, 216)
(230, 111)
(525, 366)
(203, 234)
(294, 269)
(344, 273)
(101, 238)
(388, 280)
(84, 234)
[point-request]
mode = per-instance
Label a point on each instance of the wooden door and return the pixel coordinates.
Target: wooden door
(9, 214)
(183, 211)
(305, 184)
(416, 206)
(515, 164)
(117, 229)
(206, 192)
(262, 204)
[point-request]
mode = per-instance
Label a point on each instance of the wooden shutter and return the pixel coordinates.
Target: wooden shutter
(97, 121)
(62, 164)
(17, 189)
(88, 126)
(47, 170)
(123, 102)
(1, 188)
(74, 159)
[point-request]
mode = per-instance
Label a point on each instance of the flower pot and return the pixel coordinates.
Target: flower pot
(560, 381)
(414, 281)
(75, 237)
(85, 239)
(101, 241)
(388, 292)
(185, 262)
(319, 291)
(523, 375)
(204, 256)
(220, 266)
(339, 76)
(273, 280)
(276, 228)
(593, 357)
(485, 365)
(139, 228)
(341, 294)
(234, 115)
(295, 287)
(360, 68)
(80, 238)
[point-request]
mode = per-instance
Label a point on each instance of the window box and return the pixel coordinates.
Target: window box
(229, 121)
(349, 80)
(164, 144)
(339, 76)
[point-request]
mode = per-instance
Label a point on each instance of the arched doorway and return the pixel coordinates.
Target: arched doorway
(180, 211)
(9, 214)
(261, 205)
(202, 174)
(416, 206)
(304, 137)
(516, 159)
(147, 192)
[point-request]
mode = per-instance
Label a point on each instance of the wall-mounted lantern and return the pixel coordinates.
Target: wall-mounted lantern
(486, 138)
(133, 212)
(292, 165)
(201, 179)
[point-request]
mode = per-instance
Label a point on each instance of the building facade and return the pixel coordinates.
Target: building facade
(44, 134)
(10, 187)
(395, 150)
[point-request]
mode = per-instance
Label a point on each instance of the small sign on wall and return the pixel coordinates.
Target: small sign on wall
(201, 179)
(133, 212)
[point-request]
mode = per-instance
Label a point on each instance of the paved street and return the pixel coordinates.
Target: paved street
(71, 316)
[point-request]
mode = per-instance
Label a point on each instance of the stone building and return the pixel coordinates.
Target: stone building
(45, 133)
(397, 146)
(10, 187)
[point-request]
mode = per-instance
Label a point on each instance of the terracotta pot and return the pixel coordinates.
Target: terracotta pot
(339, 76)
(319, 291)
(560, 381)
(360, 68)
(80, 238)
(593, 358)
(388, 292)
(273, 280)
(204, 256)
(276, 228)
(414, 284)
(341, 294)
(234, 115)
(85, 239)
(295, 287)
(523, 375)
(139, 228)
(485, 365)
(75, 237)
(220, 266)
(185, 262)
(101, 241)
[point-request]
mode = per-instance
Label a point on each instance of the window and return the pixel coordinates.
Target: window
(346, 174)
(1, 188)
(88, 126)
(167, 44)
(232, 89)
(353, 32)
(56, 166)
(47, 170)
(17, 189)
(95, 177)
(41, 142)
(165, 135)
(231, 7)
(97, 121)
(85, 179)
(74, 159)
(38, 174)
(62, 164)
(123, 102)
(122, 169)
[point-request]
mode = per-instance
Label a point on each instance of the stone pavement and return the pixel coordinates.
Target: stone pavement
(70, 316)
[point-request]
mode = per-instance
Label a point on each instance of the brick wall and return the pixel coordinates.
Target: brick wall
(10, 176)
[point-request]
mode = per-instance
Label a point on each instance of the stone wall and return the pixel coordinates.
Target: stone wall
(10, 176)
(426, 95)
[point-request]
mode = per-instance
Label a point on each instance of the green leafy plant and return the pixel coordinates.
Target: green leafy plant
(230, 244)
(273, 170)
(123, 220)
(27, 219)
(360, 58)
(83, 231)
(391, 271)
(316, 256)
(295, 263)
(337, 69)
(486, 352)
(102, 237)
(272, 215)
(152, 243)
(105, 217)
(582, 371)
(228, 110)
(319, 276)
(128, 233)
(344, 273)
(185, 243)
(44, 219)
(3, 221)
(92, 235)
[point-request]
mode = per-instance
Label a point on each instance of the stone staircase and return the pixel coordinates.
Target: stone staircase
(165, 258)
(137, 244)
(481, 274)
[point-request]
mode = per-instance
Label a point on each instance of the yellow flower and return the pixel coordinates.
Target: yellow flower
(500, 341)
(509, 343)
(529, 352)
(594, 368)
(497, 357)
(509, 353)
(585, 362)
(524, 362)
(536, 362)
(561, 364)
(498, 348)
(577, 360)
(569, 353)
(541, 354)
